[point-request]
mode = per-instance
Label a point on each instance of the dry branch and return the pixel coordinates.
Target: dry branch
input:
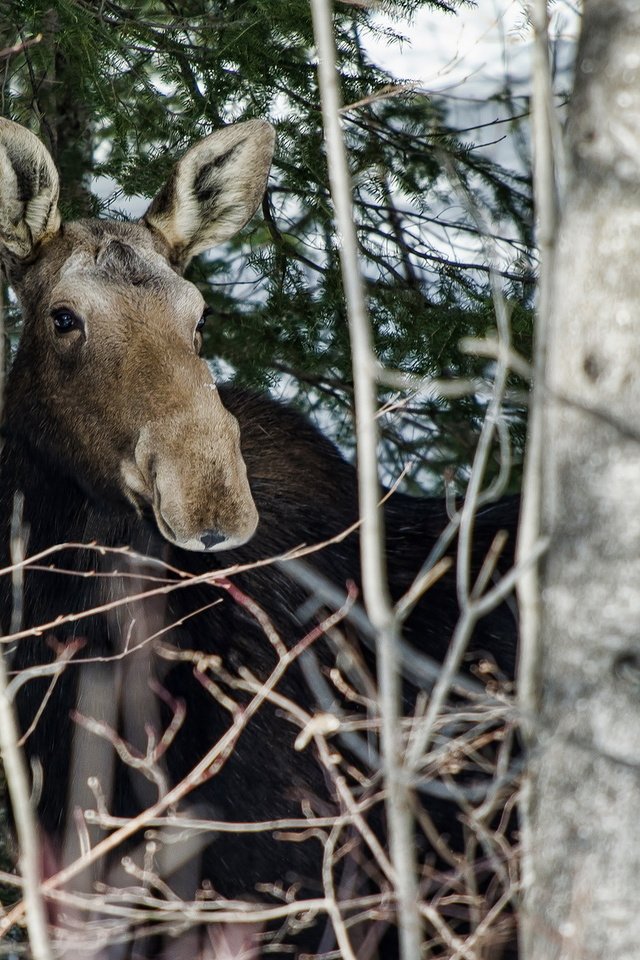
(377, 600)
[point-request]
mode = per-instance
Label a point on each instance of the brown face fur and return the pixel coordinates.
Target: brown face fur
(120, 399)
(130, 405)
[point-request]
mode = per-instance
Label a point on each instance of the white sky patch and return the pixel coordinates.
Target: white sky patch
(477, 44)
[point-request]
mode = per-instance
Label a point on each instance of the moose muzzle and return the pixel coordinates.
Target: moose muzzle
(188, 466)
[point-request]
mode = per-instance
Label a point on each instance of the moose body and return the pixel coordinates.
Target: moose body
(115, 435)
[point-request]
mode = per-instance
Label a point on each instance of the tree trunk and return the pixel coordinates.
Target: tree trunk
(582, 848)
(65, 121)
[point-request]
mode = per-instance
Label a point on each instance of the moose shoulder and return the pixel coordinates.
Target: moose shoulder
(116, 434)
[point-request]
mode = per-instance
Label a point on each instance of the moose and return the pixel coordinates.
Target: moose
(141, 507)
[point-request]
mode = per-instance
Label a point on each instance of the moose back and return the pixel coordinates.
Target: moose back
(157, 682)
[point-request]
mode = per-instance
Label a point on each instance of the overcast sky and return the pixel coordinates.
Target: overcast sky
(444, 51)
(464, 58)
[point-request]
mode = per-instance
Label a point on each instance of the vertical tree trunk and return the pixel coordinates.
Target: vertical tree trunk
(65, 122)
(582, 856)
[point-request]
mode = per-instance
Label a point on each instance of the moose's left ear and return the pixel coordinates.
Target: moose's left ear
(213, 191)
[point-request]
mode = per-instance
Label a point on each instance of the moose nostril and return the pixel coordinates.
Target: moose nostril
(211, 538)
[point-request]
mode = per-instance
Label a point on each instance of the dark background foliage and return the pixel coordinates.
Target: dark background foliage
(118, 90)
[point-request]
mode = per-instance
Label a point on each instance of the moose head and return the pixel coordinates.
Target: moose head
(108, 383)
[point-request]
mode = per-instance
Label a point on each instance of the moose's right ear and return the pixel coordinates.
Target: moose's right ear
(29, 188)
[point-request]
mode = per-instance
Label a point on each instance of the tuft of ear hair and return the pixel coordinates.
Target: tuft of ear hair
(213, 190)
(29, 189)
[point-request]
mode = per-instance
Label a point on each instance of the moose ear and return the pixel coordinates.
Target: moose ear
(29, 188)
(213, 191)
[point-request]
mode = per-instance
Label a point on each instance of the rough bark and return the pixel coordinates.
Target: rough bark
(582, 857)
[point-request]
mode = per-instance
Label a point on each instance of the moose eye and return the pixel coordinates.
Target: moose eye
(206, 313)
(65, 320)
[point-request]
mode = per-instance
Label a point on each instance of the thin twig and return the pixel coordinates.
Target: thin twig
(377, 599)
(546, 202)
(19, 47)
(547, 210)
(24, 817)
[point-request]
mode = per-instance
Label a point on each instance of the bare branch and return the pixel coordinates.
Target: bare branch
(378, 602)
(23, 812)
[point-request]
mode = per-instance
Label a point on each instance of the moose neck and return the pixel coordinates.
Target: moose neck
(55, 509)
